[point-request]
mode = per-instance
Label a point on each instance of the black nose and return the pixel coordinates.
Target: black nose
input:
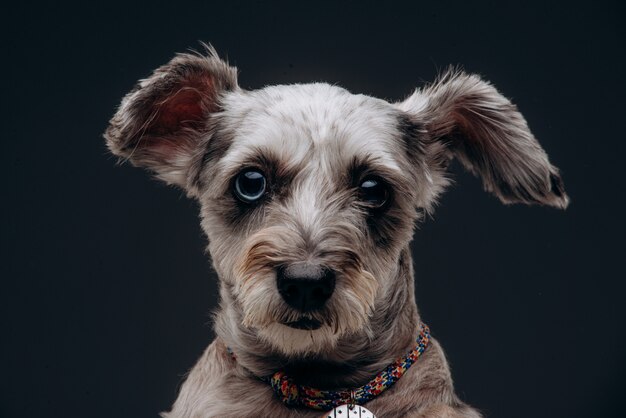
(305, 287)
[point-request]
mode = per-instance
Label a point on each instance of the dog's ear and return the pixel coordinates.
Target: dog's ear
(467, 118)
(161, 123)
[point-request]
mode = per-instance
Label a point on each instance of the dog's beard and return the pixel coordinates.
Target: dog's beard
(347, 311)
(264, 310)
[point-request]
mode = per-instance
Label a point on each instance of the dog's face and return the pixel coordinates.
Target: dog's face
(307, 207)
(309, 193)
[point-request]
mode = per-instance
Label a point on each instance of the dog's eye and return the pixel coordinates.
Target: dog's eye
(374, 191)
(250, 185)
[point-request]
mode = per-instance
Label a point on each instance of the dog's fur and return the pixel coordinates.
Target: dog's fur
(193, 127)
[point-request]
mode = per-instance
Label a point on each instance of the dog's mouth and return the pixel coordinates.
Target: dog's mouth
(305, 323)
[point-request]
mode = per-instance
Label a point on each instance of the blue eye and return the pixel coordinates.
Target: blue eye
(374, 192)
(250, 185)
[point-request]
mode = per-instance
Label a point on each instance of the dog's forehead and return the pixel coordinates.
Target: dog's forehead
(308, 122)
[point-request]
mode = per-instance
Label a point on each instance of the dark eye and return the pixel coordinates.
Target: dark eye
(250, 185)
(374, 191)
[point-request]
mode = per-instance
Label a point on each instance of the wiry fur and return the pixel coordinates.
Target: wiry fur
(194, 127)
(486, 132)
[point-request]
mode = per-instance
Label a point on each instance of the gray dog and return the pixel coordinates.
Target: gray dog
(309, 196)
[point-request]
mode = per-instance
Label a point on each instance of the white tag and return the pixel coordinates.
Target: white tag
(357, 411)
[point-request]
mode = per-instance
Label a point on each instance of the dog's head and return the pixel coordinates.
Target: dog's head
(310, 193)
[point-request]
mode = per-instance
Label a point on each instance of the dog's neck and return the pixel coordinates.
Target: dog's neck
(355, 359)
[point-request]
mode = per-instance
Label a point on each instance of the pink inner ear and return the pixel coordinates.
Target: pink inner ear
(183, 108)
(175, 114)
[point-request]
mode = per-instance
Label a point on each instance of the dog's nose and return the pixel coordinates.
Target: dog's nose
(305, 287)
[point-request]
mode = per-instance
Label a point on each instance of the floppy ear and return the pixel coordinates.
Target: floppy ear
(162, 122)
(467, 118)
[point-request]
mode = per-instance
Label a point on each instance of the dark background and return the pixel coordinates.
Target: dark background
(107, 293)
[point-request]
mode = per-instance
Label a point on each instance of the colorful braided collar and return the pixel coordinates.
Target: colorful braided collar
(292, 394)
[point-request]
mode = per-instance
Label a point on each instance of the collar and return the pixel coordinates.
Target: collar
(292, 394)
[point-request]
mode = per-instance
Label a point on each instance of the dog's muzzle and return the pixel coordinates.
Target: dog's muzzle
(305, 287)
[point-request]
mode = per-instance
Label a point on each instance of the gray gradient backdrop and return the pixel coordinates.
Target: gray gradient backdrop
(106, 292)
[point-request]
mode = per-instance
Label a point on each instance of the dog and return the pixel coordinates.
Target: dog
(309, 196)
